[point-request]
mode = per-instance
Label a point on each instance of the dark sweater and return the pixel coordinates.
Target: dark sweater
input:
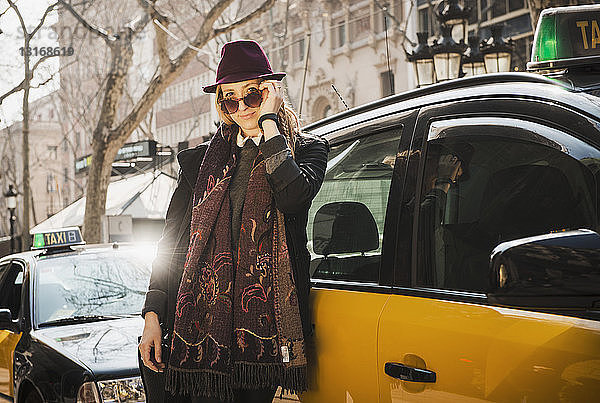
(237, 188)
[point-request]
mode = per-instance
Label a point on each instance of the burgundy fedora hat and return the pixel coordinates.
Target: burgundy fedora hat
(243, 60)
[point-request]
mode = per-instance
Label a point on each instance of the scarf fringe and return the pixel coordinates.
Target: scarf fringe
(199, 383)
(250, 375)
(246, 375)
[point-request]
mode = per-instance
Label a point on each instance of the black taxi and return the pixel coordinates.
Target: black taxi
(69, 320)
(454, 242)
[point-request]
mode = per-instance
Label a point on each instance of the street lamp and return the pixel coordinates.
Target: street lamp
(11, 204)
(455, 15)
(473, 59)
(422, 61)
(447, 55)
(496, 52)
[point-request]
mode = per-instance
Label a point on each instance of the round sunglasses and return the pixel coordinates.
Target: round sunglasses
(252, 99)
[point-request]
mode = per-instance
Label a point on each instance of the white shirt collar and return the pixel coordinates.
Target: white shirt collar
(241, 140)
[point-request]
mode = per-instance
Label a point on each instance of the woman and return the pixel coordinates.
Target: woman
(230, 282)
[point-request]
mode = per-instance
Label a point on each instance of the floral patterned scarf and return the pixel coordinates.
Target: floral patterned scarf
(235, 327)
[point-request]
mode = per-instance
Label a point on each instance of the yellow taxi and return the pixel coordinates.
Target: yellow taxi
(454, 242)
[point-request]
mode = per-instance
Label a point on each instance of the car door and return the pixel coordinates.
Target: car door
(349, 266)
(11, 284)
(489, 171)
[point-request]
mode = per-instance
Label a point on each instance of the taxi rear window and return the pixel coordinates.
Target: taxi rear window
(109, 283)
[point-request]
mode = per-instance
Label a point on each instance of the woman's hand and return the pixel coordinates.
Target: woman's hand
(150, 342)
(272, 97)
(449, 167)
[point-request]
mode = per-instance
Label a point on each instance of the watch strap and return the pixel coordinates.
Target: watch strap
(269, 116)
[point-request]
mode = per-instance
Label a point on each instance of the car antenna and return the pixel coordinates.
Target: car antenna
(338, 94)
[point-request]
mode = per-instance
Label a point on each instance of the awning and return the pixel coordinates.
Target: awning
(144, 196)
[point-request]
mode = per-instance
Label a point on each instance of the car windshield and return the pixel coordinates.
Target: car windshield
(104, 283)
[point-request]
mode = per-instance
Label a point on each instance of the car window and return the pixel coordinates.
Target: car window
(11, 277)
(100, 283)
(346, 219)
(487, 184)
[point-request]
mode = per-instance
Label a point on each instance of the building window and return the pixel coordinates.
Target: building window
(338, 33)
(483, 10)
(299, 50)
(66, 175)
(424, 20)
(50, 183)
(52, 152)
(387, 83)
(360, 24)
(515, 5)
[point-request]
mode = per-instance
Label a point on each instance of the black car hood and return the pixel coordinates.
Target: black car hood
(108, 348)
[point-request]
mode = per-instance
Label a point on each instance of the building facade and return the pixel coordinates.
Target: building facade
(52, 182)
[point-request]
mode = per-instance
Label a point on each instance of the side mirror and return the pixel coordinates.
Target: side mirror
(6, 322)
(558, 271)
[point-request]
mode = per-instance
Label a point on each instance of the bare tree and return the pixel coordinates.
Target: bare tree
(110, 132)
(25, 86)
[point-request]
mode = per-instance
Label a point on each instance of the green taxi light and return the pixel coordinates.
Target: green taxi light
(546, 40)
(38, 240)
(59, 238)
(566, 37)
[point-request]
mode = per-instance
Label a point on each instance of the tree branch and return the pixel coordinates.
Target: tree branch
(161, 47)
(96, 30)
(16, 89)
(51, 76)
(48, 10)
(230, 27)
(39, 61)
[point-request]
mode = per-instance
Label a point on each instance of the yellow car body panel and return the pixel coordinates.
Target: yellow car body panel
(8, 342)
(485, 353)
(343, 359)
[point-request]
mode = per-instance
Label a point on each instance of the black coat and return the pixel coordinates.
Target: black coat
(294, 183)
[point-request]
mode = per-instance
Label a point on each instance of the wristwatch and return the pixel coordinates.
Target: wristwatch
(444, 181)
(270, 116)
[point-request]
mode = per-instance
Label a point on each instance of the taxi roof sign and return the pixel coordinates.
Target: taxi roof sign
(566, 37)
(60, 238)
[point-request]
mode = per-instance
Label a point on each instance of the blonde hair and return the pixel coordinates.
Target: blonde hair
(288, 125)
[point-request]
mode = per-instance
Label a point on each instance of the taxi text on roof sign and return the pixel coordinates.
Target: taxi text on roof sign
(57, 238)
(566, 37)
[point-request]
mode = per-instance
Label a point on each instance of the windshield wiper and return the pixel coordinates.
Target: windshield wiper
(79, 319)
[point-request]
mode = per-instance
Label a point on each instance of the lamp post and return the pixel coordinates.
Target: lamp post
(11, 204)
(496, 52)
(472, 61)
(447, 55)
(422, 61)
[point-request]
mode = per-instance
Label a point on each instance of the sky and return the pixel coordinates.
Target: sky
(11, 60)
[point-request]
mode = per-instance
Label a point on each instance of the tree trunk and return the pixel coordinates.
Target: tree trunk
(104, 146)
(536, 7)
(98, 180)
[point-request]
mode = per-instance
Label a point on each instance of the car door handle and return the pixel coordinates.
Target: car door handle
(410, 374)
